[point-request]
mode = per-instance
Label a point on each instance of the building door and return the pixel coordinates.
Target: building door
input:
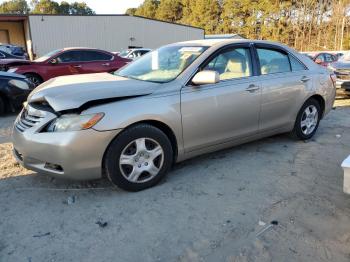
(4, 37)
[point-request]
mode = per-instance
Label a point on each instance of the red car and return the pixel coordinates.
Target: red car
(66, 61)
(323, 59)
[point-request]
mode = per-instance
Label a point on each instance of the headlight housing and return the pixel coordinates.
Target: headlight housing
(74, 122)
(12, 70)
(20, 84)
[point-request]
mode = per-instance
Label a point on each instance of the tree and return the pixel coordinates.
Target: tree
(170, 10)
(131, 11)
(202, 13)
(14, 7)
(46, 7)
(302, 24)
(64, 8)
(148, 9)
(80, 9)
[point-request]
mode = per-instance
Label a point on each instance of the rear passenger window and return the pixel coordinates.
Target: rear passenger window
(230, 64)
(273, 61)
(296, 64)
(96, 56)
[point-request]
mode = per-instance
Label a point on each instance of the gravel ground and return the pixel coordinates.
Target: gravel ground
(210, 208)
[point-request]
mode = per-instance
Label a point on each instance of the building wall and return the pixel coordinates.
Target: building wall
(112, 33)
(16, 32)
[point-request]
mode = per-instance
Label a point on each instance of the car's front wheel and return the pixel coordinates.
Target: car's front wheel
(138, 158)
(35, 79)
(307, 120)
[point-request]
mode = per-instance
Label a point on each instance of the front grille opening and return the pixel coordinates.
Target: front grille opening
(18, 154)
(53, 167)
(26, 121)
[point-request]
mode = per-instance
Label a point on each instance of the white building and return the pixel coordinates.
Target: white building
(40, 34)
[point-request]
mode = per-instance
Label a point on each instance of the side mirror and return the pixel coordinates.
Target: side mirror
(54, 61)
(206, 77)
(318, 61)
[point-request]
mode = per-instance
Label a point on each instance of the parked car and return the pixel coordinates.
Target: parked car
(17, 51)
(341, 69)
(5, 55)
(14, 90)
(182, 100)
(67, 61)
(134, 53)
(323, 59)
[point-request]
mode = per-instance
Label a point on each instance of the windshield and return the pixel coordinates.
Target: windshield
(47, 56)
(124, 53)
(162, 65)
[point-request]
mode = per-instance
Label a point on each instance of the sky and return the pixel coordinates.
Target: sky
(106, 6)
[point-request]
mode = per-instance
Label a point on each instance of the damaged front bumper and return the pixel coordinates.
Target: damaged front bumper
(74, 154)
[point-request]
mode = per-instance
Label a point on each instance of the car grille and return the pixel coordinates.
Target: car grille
(343, 74)
(26, 121)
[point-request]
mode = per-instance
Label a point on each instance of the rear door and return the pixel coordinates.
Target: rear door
(95, 61)
(283, 79)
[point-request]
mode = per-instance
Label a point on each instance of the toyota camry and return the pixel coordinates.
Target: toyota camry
(174, 103)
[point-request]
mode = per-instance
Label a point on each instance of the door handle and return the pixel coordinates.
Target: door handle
(77, 66)
(305, 79)
(252, 88)
(106, 64)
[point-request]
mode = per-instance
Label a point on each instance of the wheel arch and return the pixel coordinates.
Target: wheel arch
(156, 123)
(320, 100)
(35, 74)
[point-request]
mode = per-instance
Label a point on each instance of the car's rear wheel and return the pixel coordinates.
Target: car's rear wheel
(35, 79)
(307, 120)
(138, 158)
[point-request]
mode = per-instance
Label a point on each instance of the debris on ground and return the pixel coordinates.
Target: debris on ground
(101, 224)
(42, 235)
(70, 200)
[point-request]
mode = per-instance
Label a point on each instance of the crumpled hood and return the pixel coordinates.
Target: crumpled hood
(71, 92)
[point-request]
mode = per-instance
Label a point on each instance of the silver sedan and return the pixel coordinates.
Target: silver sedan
(174, 103)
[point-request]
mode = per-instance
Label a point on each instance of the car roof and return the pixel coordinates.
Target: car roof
(222, 42)
(82, 48)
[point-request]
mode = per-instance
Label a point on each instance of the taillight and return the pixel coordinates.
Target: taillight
(333, 78)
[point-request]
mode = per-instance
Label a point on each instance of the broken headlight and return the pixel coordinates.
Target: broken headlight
(74, 122)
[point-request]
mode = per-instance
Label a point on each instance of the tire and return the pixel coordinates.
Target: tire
(34, 78)
(140, 168)
(2, 106)
(305, 131)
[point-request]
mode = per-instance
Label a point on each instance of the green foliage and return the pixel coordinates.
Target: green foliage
(148, 9)
(131, 11)
(14, 7)
(169, 10)
(303, 24)
(45, 7)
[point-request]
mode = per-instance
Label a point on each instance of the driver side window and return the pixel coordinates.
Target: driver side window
(70, 57)
(231, 64)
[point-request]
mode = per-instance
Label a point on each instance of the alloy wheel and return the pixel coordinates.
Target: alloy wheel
(141, 160)
(309, 120)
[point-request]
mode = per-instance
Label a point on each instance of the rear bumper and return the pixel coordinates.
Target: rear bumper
(74, 155)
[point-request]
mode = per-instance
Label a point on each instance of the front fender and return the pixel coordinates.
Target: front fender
(124, 113)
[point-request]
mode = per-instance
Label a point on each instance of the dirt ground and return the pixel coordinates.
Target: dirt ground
(210, 208)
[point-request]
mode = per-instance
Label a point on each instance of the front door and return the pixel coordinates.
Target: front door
(67, 63)
(218, 113)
